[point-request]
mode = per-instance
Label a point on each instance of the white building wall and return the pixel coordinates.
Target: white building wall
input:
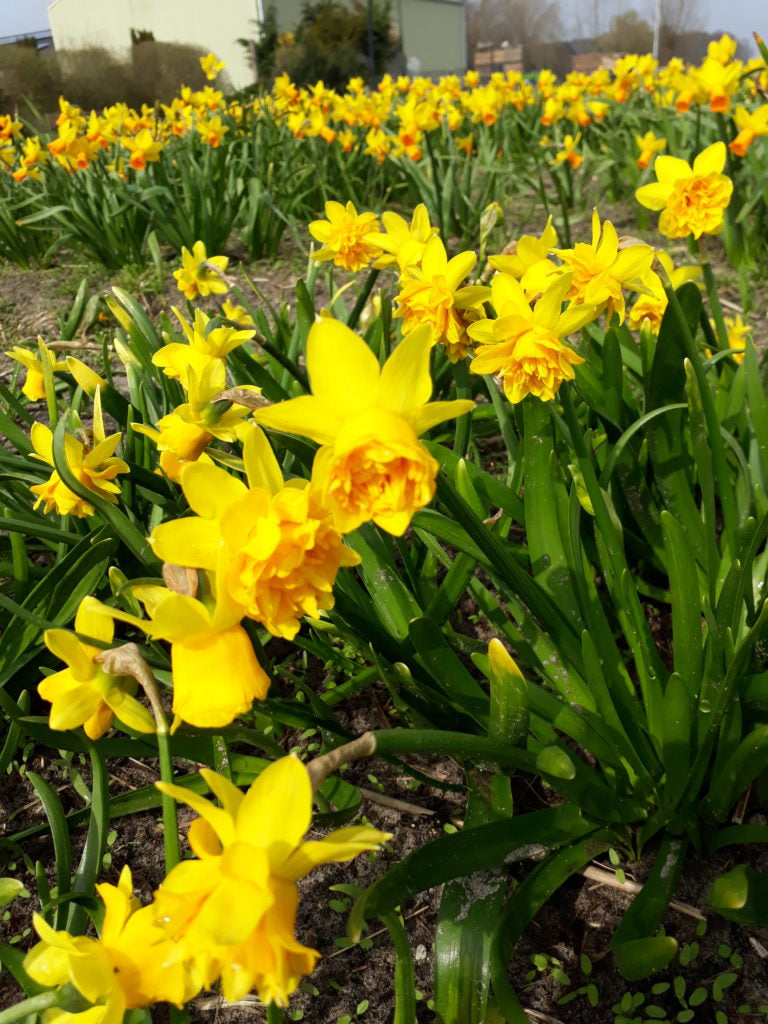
(108, 23)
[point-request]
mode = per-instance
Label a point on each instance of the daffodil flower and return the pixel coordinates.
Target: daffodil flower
(274, 547)
(345, 236)
(83, 693)
(402, 244)
(232, 911)
(216, 675)
(205, 345)
(95, 468)
(200, 274)
(368, 419)
(523, 344)
(34, 384)
(432, 294)
(693, 199)
(131, 965)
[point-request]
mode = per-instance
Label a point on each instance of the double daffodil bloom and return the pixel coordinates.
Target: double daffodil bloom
(522, 346)
(529, 261)
(402, 244)
(132, 964)
(184, 434)
(95, 468)
(83, 693)
(232, 912)
(368, 419)
(200, 274)
(432, 295)
(345, 236)
(601, 270)
(693, 199)
(274, 546)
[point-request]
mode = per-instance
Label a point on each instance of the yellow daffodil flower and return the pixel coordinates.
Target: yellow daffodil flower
(232, 311)
(651, 304)
(737, 332)
(216, 675)
(601, 269)
(750, 125)
(191, 427)
(649, 146)
(368, 419)
(95, 468)
(144, 149)
(205, 344)
(693, 199)
(568, 153)
(211, 66)
(522, 346)
(402, 244)
(431, 295)
(345, 236)
(34, 384)
(131, 965)
(274, 547)
(83, 693)
(529, 261)
(201, 275)
(232, 911)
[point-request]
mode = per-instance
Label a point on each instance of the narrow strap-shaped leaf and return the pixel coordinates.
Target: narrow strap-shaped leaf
(54, 812)
(446, 669)
(645, 913)
(686, 602)
(462, 853)
(744, 765)
(95, 840)
(529, 897)
(676, 740)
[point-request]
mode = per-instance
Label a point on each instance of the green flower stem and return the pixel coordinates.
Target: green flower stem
(127, 661)
(714, 299)
(362, 298)
(457, 744)
(274, 1014)
(725, 487)
(405, 978)
(50, 386)
(463, 423)
(29, 1007)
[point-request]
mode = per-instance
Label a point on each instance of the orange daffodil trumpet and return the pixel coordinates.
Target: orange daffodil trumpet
(692, 199)
(232, 911)
(368, 420)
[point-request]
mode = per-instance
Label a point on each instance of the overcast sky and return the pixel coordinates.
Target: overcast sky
(739, 17)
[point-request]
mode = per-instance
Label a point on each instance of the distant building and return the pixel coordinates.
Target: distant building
(42, 40)
(431, 32)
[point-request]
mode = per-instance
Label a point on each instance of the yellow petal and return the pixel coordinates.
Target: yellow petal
(711, 160)
(405, 381)
(277, 810)
(670, 169)
(229, 796)
(210, 490)
(66, 646)
(192, 542)
(91, 621)
(130, 711)
(654, 196)
(74, 708)
(261, 466)
(306, 416)
(437, 412)
(341, 845)
(343, 371)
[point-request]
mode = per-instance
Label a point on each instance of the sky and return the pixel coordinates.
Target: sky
(739, 17)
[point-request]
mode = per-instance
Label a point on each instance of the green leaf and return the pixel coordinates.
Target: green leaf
(676, 739)
(741, 895)
(477, 849)
(95, 840)
(443, 665)
(9, 890)
(686, 603)
(509, 697)
(54, 812)
(555, 761)
(638, 958)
